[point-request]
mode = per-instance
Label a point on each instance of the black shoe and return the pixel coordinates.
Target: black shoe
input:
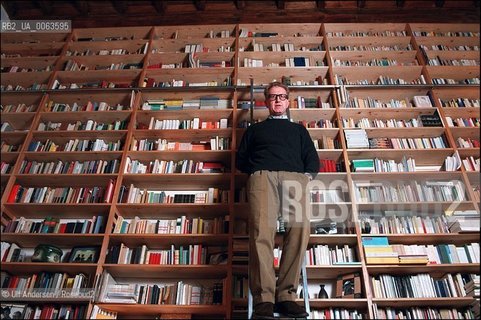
(263, 310)
(291, 309)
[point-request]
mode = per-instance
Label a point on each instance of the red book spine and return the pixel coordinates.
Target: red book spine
(13, 193)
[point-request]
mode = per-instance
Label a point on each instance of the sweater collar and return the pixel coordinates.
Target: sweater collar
(284, 117)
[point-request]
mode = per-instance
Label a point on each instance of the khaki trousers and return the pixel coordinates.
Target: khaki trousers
(267, 198)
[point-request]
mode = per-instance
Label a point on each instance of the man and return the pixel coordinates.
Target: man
(275, 153)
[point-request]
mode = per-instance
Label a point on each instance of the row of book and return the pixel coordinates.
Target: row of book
(384, 62)
(463, 122)
(214, 143)
(460, 103)
(7, 127)
(361, 47)
(57, 85)
(405, 165)
(320, 255)
(422, 313)
(21, 107)
(278, 47)
(69, 167)
(52, 106)
(414, 191)
(358, 139)
(6, 147)
(438, 61)
(456, 81)
(328, 165)
(328, 196)
(104, 52)
(471, 164)
(326, 143)
(13, 69)
(74, 145)
(89, 125)
(369, 102)
(44, 311)
(153, 83)
(12, 252)
(35, 86)
(5, 167)
(95, 225)
(180, 225)
(301, 102)
(467, 142)
(322, 123)
(168, 167)
(72, 65)
(336, 313)
(388, 123)
(204, 102)
(38, 282)
(381, 80)
(20, 194)
(403, 223)
(192, 254)
(383, 33)
(132, 194)
(172, 293)
(421, 285)
(176, 124)
(445, 34)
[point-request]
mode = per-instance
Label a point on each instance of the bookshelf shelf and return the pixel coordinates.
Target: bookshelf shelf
(339, 303)
(35, 267)
(169, 271)
(433, 269)
(154, 310)
(151, 209)
(37, 299)
(68, 240)
(333, 239)
(74, 209)
(454, 302)
(428, 238)
(341, 77)
(132, 240)
(331, 271)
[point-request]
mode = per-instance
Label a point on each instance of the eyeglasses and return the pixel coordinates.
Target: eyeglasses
(274, 97)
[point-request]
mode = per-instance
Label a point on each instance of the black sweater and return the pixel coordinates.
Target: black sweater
(277, 145)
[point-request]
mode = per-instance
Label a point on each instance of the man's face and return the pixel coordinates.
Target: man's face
(277, 101)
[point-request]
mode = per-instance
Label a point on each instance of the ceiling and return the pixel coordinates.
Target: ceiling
(162, 12)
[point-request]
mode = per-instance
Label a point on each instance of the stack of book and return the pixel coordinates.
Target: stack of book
(463, 221)
(362, 165)
(378, 251)
(472, 287)
(356, 139)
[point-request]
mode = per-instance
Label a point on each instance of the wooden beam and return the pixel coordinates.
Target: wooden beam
(240, 4)
(82, 6)
(321, 4)
(160, 6)
(120, 6)
(199, 5)
(399, 3)
(361, 3)
(45, 5)
(281, 4)
(439, 3)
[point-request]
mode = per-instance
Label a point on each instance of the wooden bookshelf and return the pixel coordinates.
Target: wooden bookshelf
(363, 76)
